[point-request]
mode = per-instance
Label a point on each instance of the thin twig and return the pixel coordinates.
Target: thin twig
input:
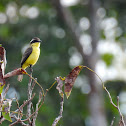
(111, 101)
(5, 91)
(24, 104)
(18, 121)
(14, 123)
(37, 83)
(112, 121)
(29, 96)
(12, 115)
(59, 88)
(38, 108)
(33, 84)
(35, 116)
(61, 111)
(20, 113)
(121, 122)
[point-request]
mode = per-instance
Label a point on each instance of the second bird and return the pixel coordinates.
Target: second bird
(31, 55)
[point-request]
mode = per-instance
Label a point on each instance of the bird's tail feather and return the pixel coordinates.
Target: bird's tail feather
(20, 77)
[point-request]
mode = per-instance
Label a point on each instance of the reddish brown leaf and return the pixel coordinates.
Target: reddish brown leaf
(70, 79)
(2, 66)
(2, 81)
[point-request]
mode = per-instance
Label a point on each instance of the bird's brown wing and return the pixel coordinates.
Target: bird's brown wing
(26, 55)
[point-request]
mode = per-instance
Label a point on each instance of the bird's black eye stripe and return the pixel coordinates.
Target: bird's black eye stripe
(33, 41)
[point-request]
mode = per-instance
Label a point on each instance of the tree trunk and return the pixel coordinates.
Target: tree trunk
(96, 106)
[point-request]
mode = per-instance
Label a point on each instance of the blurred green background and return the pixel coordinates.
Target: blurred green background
(98, 40)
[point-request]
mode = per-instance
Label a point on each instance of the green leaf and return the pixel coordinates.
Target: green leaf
(107, 58)
(7, 116)
(1, 89)
(6, 109)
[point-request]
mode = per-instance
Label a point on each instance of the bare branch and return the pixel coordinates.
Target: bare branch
(6, 90)
(20, 111)
(121, 122)
(38, 108)
(24, 104)
(18, 121)
(15, 72)
(111, 101)
(59, 85)
(18, 114)
(29, 93)
(112, 121)
(59, 88)
(61, 111)
(35, 116)
(14, 123)
(33, 84)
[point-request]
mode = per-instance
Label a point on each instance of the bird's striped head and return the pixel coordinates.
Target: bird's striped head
(35, 39)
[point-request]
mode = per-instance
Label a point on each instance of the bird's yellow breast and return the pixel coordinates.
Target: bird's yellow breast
(33, 58)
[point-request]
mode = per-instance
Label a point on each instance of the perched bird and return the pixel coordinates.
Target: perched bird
(31, 55)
